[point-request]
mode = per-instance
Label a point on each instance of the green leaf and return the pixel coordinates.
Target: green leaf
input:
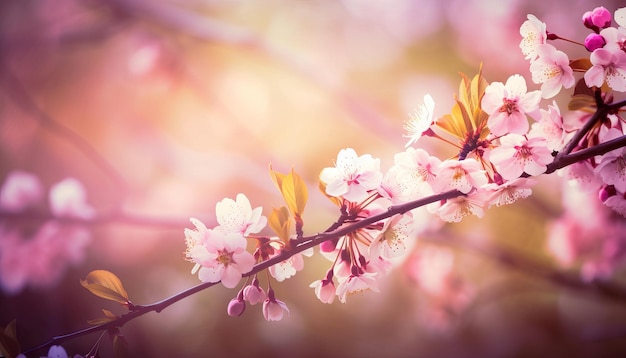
(105, 284)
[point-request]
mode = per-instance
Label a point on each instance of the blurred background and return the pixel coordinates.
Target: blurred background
(161, 109)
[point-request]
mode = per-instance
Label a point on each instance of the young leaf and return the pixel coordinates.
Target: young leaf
(580, 102)
(108, 317)
(295, 193)
(280, 221)
(120, 347)
(322, 187)
(105, 284)
(293, 190)
(582, 64)
(9, 346)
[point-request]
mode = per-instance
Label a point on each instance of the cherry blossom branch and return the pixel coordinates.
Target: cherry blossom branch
(510, 258)
(306, 243)
(101, 219)
(602, 148)
(19, 95)
(602, 110)
(502, 255)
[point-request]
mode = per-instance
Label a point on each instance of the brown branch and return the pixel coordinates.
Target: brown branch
(18, 94)
(587, 153)
(502, 255)
(306, 243)
(101, 219)
(535, 268)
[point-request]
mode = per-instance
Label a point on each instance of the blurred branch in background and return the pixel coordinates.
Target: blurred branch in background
(173, 105)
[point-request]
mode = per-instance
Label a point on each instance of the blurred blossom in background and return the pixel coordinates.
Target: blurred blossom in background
(166, 107)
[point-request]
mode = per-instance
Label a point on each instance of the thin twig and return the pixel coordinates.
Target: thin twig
(101, 219)
(502, 255)
(307, 243)
(18, 94)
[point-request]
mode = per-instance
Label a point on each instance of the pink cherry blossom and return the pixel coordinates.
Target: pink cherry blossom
(509, 191)
(447, 293)
(394, 238)
(581, 173)
(550, 126)
(455, 209)
(353, 176)
(431, 268)
(420, 121)
(325, 289)
(39, 260)
(274, 309)
(253, 293)
(68, 198)
(391, 188)
(416, 170)
(238, 216)
(615, 38)
(612, 169)
(355, 283)
(597, 244)
(534, 34)
(620, 17)
(617, 203)
(462, 175)
(609, 66)
(218, 256)
(507, 105)
(517, 154)
(288, 268)
(552, 70)
(20, 191)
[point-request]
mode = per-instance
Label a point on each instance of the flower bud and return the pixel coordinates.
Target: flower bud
(236, 307)
(594, 42)
(599, 18)
(328, 246)
(606, 192)
(254, 293)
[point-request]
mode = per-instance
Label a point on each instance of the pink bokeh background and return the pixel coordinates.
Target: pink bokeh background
(178, 104)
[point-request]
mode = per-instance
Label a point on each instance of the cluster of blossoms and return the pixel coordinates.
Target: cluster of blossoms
(220, 254)
(596, 239)
(38, 255)
(501, 136)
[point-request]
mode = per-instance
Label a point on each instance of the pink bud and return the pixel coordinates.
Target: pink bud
(594, 42)
(236, 307)
(253, 293)
(599, 18)
(328, 246)
(606, 192)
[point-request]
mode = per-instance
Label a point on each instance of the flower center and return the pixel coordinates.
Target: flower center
(225, 257)
(509, 106)
(523, 151)
(353, 179)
